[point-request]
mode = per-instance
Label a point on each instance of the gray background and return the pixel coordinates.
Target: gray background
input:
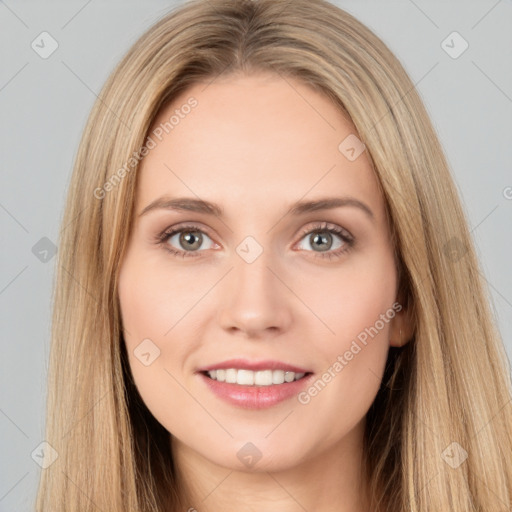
(44, 104)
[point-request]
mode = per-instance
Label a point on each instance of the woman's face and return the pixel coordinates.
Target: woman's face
(293, 268)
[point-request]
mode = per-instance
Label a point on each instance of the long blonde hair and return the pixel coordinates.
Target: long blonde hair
(449, 384)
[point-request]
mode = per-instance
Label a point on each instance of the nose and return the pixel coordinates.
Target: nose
(256, 301)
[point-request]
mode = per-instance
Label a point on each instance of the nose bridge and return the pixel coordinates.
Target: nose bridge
(256, 299)
(254, 284)
(252, 272)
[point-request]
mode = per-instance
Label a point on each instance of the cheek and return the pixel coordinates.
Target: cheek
(152, 304)
(352, 297)
(356, 306)
(153, 299)
(150, 307)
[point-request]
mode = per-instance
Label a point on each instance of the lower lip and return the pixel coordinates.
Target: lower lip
(256, 397)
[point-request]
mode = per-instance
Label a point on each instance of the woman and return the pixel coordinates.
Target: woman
(268, 296)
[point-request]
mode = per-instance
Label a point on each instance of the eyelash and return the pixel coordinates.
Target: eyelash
(348, 240)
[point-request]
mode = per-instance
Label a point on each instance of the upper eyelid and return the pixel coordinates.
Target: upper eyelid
(326, 226)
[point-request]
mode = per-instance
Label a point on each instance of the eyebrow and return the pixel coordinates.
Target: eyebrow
(299, 208)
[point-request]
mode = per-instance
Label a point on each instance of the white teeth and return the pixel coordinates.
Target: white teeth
(245, 377)
(250, 378)
(277, 376)
(231, 376)
(263, 378)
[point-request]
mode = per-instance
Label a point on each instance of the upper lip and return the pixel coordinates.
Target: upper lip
(245, 364)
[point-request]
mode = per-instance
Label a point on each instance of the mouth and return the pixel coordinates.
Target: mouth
(251, 384)
(254, 389)
(244, 377)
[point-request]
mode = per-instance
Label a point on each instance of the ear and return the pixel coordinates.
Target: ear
(402, 328)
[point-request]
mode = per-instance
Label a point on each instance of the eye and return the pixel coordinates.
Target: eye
(323, 237)
(187, 240)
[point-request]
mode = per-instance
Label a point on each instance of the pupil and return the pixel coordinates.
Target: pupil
(323, 239)
(188, 237)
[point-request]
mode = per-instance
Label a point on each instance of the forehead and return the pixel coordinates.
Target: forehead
(250, 141)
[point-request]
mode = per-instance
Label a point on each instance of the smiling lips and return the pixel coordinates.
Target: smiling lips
(254, 385)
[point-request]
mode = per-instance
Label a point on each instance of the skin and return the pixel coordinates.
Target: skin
(254, 145)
